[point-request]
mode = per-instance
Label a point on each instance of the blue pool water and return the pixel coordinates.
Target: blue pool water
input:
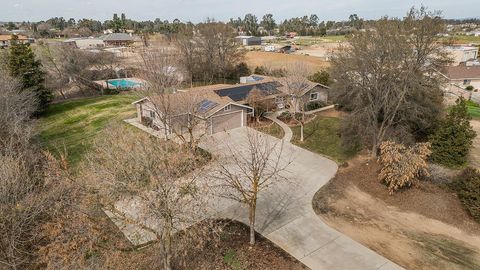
(123, 83)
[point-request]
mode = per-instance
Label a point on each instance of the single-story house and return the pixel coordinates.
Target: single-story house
(6, 39)
(462, 54)
(463, 76)
(249, 40)
(118, 40)
(84, 43)
(219, 107)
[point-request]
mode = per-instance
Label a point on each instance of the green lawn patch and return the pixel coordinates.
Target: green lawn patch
(321, 136)
(473, 109)
(272, 129)
(71, 126)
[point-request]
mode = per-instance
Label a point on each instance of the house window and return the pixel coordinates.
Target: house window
(465, 82)
(152, 114)
(313, 96)
(228, 107)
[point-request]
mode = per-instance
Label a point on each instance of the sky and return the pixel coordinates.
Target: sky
(223, 10)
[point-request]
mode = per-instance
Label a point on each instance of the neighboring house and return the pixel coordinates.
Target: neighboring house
(118, 40)
(85, 43)
(221, 107)
(249, 40)
(462, 54)
(463, 76)
(6, 39)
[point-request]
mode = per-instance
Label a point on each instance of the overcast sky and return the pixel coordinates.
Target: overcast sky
(199, 10)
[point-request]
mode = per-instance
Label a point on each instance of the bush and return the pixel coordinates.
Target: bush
(467, 187)
(285, 116)
(322, 77)
(314, 105)
(453, 139)
(260, 70)
(469, 88)
(402, 165)
(111, 91)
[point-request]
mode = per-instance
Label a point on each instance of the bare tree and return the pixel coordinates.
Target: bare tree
(295, 85)
(246, 173)
(163, 177)
(387, 76)
(258, 100)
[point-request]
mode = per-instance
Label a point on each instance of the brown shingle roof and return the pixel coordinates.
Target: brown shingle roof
(9, 37)
(463, 72)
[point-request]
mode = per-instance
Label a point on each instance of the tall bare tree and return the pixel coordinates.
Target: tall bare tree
(246, 173)
(163, 177)
(387, 76)
(295, 84)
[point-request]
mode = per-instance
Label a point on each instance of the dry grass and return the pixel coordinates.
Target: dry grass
(279, 60)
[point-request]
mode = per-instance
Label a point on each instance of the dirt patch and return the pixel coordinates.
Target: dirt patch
(279, 60)
(424, 227)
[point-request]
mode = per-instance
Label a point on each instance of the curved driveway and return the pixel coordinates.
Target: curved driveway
(285, 214)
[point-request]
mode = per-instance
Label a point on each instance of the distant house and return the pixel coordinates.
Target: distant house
(249, 40)
(290, 34)
(84, 43)
(118, 40)
(462, 54)
(5, 40)
(463, 76)
(223, 107)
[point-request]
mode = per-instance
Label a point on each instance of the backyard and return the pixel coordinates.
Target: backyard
(69, 127)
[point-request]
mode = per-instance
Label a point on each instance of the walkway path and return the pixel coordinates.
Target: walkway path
(474, 157)
(286, 129)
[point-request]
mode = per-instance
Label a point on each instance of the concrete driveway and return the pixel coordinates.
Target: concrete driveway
(285, 214)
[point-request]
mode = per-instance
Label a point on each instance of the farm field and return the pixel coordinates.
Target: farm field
(280, 60)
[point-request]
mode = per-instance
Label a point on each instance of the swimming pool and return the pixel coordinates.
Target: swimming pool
(124, 83)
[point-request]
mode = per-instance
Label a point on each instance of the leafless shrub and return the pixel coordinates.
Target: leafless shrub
(402, 165)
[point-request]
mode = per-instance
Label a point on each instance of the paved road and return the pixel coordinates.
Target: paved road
(285, 214)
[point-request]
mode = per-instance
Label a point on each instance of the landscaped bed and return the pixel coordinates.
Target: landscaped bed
(269, 127)
(424, 227)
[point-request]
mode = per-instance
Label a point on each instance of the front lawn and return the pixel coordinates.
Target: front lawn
(71, 126)
(473, 109)
(321, 136)
(272, 129)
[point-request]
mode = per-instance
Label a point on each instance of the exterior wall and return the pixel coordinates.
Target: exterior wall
(473, 82)
(322, 94)
(463, 55)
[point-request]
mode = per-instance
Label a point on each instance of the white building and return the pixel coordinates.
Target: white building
(249, 40)
(462, 54)
(85, 43)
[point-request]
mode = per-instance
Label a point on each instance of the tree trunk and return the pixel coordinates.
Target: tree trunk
(301, 132)
(251, 217)
(167, 248)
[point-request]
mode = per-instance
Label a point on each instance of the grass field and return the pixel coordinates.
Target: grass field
(462, 39)
(70, 127)
(321, 136)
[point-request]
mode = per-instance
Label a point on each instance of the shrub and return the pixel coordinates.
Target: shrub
(453, 139)
(467, 187)
(260, 70)
(402, 165)
(285, 116)
(111, 91)
(322, 77)
(469, 88)
(314, 105)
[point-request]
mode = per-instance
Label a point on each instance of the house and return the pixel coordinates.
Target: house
(463, 76)
(118, 40)
(210, 112)
(221, 107)
(249, 40)
(6, 39)
(462, 54)
(84, 43)
(290, 34)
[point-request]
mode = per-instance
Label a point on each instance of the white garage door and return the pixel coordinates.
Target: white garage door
(227, 121)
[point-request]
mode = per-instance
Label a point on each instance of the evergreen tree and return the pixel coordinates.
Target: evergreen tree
(454, 137)
(23, 65)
